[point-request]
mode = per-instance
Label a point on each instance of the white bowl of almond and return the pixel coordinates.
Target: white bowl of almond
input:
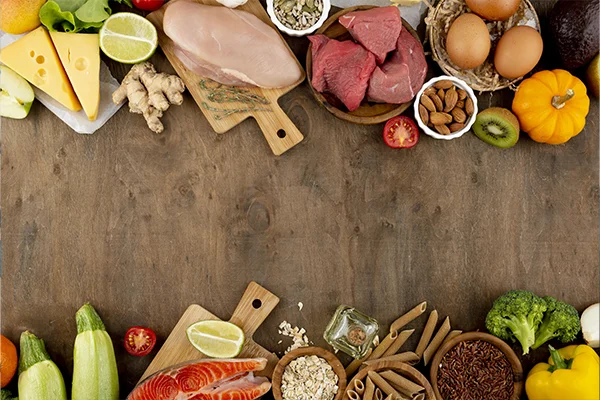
(445, 108)
(298, 17)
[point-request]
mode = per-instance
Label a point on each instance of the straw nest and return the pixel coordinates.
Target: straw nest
(483, 78)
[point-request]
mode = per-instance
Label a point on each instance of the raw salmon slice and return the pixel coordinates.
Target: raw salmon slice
(206, 380)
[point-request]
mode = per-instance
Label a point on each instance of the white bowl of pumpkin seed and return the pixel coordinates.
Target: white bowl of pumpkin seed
(298, 17)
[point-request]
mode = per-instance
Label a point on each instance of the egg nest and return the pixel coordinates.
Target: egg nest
(484, 78)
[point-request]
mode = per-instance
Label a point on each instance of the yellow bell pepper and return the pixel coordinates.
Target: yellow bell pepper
(572, 373)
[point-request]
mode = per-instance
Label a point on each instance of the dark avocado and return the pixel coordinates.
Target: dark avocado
(574, 26)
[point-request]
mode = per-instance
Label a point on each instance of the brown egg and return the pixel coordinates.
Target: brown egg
(494, 10)
(468, 42)
(518, 52)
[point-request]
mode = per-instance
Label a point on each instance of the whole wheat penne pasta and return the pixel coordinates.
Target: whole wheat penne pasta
(399, 342)
(359, 386)
(402, 384)
(436, 342)
(420, 396)
(427, 333)
(383, 346)
(354, 365)
(369, 390)
(352, 395)
(378, 394)
(407, 357)
(451, 335)
(383, 384)
(408, 317)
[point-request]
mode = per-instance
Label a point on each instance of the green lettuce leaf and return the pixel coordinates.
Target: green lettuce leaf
(76, 15)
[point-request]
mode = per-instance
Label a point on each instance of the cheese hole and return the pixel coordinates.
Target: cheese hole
(40, 77)
(40, 59)
(32, 53)
(81, 64)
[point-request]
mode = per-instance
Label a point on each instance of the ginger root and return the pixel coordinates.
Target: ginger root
(150, 93)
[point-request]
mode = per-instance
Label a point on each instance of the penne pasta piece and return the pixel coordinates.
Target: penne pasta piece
(420, 396)
(378, 394)
(451, 335)
(359, 386)
(382, 384)
(383, 346)
(399, 342)
(436, 342)
(407, 357)
(427, 333)
(369, 390)
(408, 317)
(354, 365)
(352, 395)
(402, 384)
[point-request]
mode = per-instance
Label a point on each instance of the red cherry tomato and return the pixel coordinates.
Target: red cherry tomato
(148, 5)
(401, 133)
(139, 341)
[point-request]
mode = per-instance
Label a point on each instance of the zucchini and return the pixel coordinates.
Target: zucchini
(39, 377)
(95, 375)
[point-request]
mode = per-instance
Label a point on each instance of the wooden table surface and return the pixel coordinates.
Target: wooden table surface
(143, 225)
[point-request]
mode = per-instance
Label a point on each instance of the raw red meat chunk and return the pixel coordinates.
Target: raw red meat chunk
(341, 68)
(400, 78)
(376, 29)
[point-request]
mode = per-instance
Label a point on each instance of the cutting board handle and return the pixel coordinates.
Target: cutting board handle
(279, 130)
(254, 307)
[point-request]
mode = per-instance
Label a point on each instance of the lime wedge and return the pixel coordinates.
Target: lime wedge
(216, 339)
(128, 38)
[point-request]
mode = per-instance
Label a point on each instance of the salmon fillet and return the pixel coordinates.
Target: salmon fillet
(232, 47)
(206, 380)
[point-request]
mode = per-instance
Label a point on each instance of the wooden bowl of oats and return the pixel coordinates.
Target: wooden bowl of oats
(307, 370)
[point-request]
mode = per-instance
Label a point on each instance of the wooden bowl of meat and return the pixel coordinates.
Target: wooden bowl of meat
(366, 75)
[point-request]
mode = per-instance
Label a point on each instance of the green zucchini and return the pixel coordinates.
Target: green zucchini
(95, 375)
(39, 377)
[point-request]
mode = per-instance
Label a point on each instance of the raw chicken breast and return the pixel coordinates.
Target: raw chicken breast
(376, 29)
(232, 47)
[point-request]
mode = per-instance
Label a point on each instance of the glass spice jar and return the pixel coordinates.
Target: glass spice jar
(351, 331)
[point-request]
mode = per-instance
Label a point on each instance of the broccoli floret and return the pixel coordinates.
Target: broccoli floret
(561, 321)
(516, 315)
(6, 395)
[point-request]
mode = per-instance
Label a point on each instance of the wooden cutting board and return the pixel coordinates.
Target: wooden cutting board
(254, 307)
(279, 130)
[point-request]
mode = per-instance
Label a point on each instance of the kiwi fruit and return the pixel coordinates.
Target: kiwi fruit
(498, 127)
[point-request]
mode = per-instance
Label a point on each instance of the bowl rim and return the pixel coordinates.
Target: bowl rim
(463, 85)
(328, 356)
(291, 32)
(512, 357)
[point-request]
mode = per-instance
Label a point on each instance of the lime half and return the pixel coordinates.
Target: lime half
(128, 38)
(216, 339)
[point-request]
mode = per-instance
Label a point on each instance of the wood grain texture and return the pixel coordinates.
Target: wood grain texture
(143, 225)
(254, 307)
(278, 129)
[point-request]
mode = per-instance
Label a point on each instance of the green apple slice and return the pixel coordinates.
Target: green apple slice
(16, 94)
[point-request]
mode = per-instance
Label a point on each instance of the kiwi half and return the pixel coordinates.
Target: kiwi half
(498, 127)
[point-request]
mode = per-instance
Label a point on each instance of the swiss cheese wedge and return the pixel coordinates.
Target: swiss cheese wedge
(80, 55)
(35, 59)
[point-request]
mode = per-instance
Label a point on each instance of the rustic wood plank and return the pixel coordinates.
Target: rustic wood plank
(142, 226)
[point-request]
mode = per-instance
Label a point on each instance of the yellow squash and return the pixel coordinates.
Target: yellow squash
(552, 106)
(572, 373)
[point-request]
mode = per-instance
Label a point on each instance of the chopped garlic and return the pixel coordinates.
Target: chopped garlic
(298, 335)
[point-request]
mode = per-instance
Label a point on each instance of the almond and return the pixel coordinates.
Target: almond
(459, 115)
(469, 106)
(428, 103)
(430, 90)
(445, 84)
(424, 114)
(442, 129)
(439, 105)
(462, 94)
(451, 99)
(441, 94)
(460, 104)
(440, 118)
(455, 127)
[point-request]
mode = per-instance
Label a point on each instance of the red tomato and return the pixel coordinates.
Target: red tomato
(401, 133)
(148, 5)
(139, 341)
